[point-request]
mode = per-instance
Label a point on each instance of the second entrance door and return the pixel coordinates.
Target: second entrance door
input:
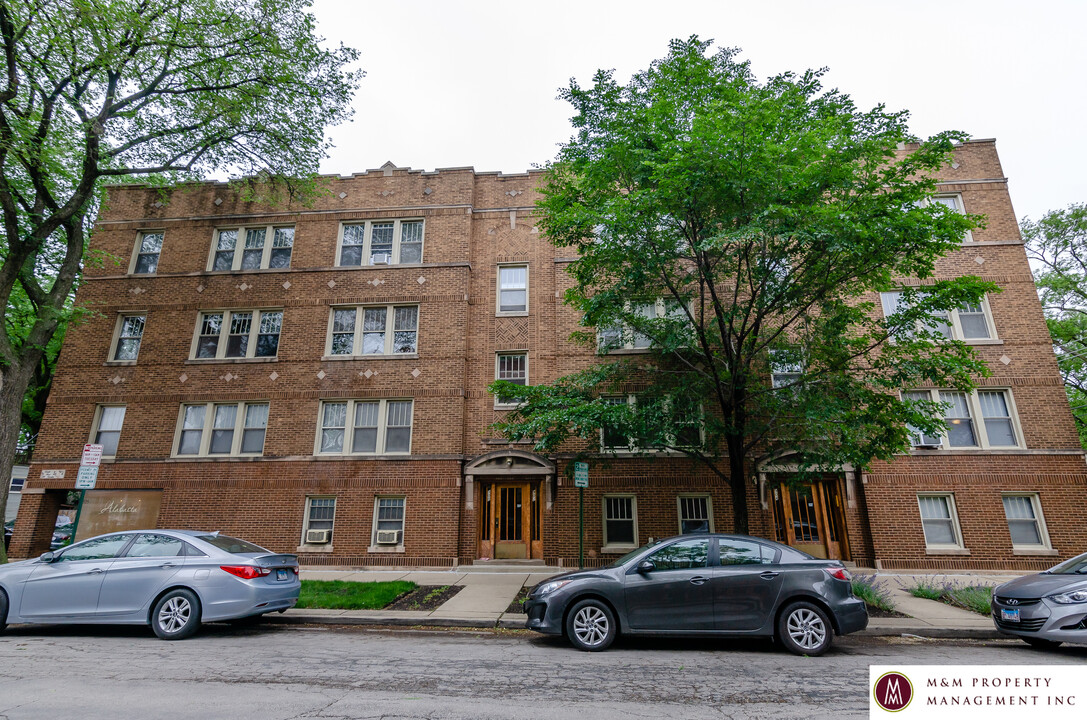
(511, 520)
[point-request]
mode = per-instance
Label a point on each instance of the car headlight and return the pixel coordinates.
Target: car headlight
(1076, 596)
(548, 588)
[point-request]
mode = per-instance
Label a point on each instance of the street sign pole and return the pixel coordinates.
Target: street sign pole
(581, 481)
(86, 478)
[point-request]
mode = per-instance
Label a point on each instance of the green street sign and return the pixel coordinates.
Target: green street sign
(581, 475)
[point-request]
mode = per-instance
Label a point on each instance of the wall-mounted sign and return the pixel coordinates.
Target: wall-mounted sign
(107, 511)
(52, 475)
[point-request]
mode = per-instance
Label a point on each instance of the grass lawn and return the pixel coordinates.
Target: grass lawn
(346, 595)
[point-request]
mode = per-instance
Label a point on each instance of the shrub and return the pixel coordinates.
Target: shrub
(874, 592)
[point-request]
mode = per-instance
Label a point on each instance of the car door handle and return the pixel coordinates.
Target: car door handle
(768, 575)
(95, 571)
(168, 565)
(698, 580)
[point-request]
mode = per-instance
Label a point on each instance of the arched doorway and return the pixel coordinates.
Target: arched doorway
(509, 491)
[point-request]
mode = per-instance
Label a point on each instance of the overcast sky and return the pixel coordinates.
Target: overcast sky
(456, 82)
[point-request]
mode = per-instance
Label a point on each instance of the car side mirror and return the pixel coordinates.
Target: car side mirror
(47, 557)
(646, 566)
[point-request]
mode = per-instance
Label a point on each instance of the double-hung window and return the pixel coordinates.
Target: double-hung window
(224, 334)
(381, 242)
(222, 429)
(625, 336)
(980, 419)
(373, 330)
(940, 521)
(695, 514)
(786, 368)
(148, 247)
(126, 344)
(512, 289)
(320, 519)
(620, 522)
(954, 203)
(511, 367)
(1025, 523)
(970, 322)
(252, 248)
(107, 428)
(388, 522)
(611, 437)
(365, 427)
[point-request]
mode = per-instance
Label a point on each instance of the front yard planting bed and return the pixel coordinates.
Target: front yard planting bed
(426, 597)
(974, 598)
(876, 596)
(347, 595)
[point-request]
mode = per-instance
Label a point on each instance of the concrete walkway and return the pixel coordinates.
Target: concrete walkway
(488, 593)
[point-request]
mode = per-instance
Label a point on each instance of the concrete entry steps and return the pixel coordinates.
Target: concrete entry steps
(511, 566)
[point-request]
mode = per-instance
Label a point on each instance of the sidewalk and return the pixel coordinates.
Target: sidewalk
(488, 593)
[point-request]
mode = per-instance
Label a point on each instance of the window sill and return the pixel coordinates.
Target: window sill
(251, 271)
(361, 456)
(378, 267)
(624, 351)
(375, 356)
(212, 361)
(1039, 551)
(214, 458)
(618, 549)
(119, 363)
(512, 313)
(946, 551)
(984, 341)
(313, 549)
(385, 549)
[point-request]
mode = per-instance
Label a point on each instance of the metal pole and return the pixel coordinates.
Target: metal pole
(78, 510)
(581, 527)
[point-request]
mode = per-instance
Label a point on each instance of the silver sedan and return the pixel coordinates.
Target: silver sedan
(1047, 609)
(170, 579)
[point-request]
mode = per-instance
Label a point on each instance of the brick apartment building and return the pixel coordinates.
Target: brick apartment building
(314, 379)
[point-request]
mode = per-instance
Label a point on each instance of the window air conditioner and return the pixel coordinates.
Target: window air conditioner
(318, 537)
(381, 259)
(927, 446)
(388, 537)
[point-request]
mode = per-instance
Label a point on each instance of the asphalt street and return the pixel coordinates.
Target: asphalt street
(286, 672)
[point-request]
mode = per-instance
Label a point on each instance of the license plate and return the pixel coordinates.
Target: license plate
(281, 574)
(1009, 615)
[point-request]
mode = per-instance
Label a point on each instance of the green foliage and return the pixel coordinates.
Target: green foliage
(975, 598)
(874, 592)
(927, 589)
(735, 225)
(1057, 245)
(346, 595)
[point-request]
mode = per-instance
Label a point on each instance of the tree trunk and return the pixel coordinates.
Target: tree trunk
(13, 384)
(737, 480)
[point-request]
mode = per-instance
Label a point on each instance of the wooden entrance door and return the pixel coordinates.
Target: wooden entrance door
(811, 518)
(511, 520)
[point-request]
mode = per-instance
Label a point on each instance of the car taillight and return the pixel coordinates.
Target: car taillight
(839, 573)
(246, 572)
(295, 568)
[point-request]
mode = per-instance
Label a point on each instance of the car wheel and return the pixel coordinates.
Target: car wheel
(1041, 643)
(3, 610)
(590, 626)
(176, 615)
(804, 629)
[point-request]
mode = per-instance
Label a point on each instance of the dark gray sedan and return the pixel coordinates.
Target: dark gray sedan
(1046, 609)
(729, 585)
(171, 580)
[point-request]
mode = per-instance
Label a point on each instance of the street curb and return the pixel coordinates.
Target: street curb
(934, 633)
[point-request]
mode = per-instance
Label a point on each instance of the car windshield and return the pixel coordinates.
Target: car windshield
(1075, 566)
(231, 545)
(626, 558)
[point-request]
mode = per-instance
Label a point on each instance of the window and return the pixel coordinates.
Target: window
(625, 337)
(107, 428)
(100, 548)
(222, 429)
(683, 419)
(512, 289)
(156, 546)
(380, 330)
(1025, 524)
(376, 427)
(786, 368)
(253, 248)
(126, 344)
(682, 555)
(620, 521)
(381, 242)
(995, 408)
(612, 438)
(742, 552)
(511, 367)
(388, 521)
(695, 514)
(320, 518)
(970, 321)
(237, 334)
(17, 481)
(940, 521)
(148, 247)
(953, 202)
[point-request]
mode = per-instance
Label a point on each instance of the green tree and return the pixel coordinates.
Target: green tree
(739, 229)
(1057, 246)
(139, 90)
